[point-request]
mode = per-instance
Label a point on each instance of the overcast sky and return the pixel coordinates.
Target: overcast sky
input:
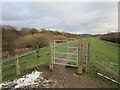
(73, 17)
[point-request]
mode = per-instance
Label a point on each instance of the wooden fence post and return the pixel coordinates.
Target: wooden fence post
(51, 57)
(37, 56)
(88, 58)
(17, 66)
(80, 57)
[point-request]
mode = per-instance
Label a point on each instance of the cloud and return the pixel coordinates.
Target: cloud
(81, 17)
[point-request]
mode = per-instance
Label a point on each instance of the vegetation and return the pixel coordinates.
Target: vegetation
(13, 39)
(8, 39)
(111, 37)
(9, 72)
(105, 49)
(59, 37)
(28, 41)
(104, 57)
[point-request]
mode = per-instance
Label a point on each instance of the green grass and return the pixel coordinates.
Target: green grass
(103, 51)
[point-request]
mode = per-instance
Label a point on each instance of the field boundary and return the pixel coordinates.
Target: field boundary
(107, 70)
(16, 62)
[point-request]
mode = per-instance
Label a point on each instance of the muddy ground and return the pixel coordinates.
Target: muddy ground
(67, 77)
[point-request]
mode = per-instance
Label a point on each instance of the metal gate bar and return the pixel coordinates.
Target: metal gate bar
(66, 64)
(67, 53)
(55, 59)
(65, 47)
(66, 59)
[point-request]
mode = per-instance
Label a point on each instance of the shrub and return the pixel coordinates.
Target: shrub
(28, 41)
(59, 37)
(41, 40)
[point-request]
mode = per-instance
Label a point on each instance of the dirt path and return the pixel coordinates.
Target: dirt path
(66, 77)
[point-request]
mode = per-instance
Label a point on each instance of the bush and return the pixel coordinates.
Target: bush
(41, 40)
(28, 41)
(59, 37)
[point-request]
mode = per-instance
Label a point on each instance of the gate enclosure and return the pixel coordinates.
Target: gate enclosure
(65, 52)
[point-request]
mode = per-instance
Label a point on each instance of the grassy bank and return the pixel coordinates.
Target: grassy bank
(104, 57)
(106, 51)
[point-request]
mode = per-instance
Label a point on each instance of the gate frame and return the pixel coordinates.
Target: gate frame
(79, 55)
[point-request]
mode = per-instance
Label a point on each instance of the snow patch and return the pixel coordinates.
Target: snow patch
(24, 81)
(28, 79)
(5, 84)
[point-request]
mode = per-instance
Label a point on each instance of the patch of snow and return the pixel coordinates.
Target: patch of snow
(27, 80)
(5, 84)
(24, 81)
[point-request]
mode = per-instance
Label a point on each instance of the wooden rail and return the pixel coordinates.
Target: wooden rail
(23, 61)
(19, 57)
(17, 62)
(8, 65)
(34, 65)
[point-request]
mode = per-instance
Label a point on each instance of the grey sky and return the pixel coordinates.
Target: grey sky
(81, 17)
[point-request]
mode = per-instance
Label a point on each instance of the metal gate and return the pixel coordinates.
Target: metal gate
(65, 52)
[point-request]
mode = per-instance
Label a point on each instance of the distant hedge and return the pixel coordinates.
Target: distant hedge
(112, 37)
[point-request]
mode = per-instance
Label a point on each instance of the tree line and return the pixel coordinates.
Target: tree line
(111, 37)
(13, 40)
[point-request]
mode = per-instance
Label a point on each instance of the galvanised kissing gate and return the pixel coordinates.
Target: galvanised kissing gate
(65, 52)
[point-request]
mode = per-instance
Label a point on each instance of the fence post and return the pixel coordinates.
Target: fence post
(17, 66)
(88, 58)
(51, 57)
(80, 57)
(37, 56)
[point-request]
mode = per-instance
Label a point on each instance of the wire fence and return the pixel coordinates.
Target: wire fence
(100, 64)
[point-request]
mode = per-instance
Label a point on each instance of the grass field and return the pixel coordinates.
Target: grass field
(104, 55)
(107, 50)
